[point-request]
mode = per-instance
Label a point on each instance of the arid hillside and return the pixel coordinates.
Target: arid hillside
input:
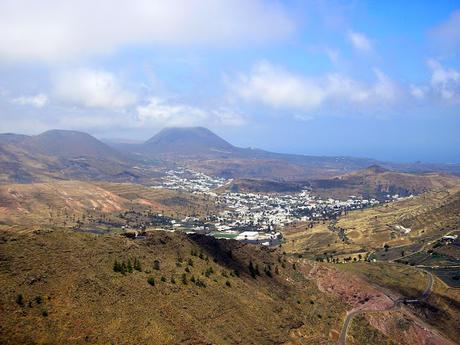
(377, 182)
(182, 290)
(172, 288)
(62, 203)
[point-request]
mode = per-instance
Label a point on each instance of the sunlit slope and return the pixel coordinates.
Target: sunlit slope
(201, 291)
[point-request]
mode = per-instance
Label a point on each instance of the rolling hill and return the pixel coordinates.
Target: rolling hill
(61, 154)
(65, 144)
(376, 182)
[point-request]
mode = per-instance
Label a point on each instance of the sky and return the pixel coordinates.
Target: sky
(377, 79)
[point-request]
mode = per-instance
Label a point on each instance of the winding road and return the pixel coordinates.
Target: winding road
(396, 305)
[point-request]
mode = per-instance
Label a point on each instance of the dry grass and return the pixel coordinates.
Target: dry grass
(361, 332)
(429, 216)
(86, 301)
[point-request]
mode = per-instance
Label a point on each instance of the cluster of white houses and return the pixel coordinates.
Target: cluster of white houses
(254, 217)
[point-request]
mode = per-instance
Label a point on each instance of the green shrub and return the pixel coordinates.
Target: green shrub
(137, 265)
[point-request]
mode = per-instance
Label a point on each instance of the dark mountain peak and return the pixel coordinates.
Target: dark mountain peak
(185, 140)
(69, 144)
(64, 133)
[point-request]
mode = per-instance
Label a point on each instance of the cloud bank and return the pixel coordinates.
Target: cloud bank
(51, 30)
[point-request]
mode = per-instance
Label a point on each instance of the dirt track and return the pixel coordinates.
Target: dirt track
(396, 305)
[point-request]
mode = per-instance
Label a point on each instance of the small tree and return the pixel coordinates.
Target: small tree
(184, 279)
(228, 283)
(156, 265)
(137, 265)
(116, 266)
(20, 300)
(123, 268)
(151, 281)
(252, 270)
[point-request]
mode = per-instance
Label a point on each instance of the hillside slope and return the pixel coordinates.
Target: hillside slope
(203, 292)
(376, 181)
(60, 154)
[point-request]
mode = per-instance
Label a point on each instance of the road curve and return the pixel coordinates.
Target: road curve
(396, 304)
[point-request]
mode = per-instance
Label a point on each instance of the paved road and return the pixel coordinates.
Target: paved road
(396, 304)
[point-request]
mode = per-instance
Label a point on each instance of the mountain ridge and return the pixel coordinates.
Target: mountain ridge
(67, 154)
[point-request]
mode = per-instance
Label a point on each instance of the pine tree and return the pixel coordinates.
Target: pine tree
(123, 268)
(137, 265)
(20, 300)
(252, 270)
(116, 266)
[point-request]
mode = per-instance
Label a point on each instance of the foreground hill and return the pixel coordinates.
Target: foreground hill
(199, 291)
(178, 289)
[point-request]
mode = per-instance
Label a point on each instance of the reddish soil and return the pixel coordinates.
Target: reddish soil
(377, 306)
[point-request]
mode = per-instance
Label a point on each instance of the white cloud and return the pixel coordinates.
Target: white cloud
(360, 41)
(53, 30)
(158, 111)
(38, 101)
(92, 88)
(276, 87)
(445, 81)
(418, 92)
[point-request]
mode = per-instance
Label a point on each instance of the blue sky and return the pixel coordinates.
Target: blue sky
(376, 79)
